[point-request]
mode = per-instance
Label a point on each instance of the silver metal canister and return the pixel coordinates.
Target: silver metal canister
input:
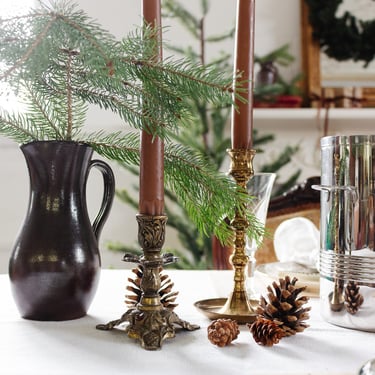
(347, 257)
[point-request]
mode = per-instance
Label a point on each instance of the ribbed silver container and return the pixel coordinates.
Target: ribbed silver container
(347, 257)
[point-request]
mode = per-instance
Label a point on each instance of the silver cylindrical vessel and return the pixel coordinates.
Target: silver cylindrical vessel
(347, 258)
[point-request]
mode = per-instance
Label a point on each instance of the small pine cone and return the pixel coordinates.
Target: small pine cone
(266, 332)
(132, 299)
(284, 307)
(222, 332)
(167, 296)
(353, 298)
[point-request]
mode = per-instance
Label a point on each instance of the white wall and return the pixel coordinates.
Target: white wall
(277, 22)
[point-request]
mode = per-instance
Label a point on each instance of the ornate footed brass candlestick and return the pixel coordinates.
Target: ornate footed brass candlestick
(238, 304)
(149, 321)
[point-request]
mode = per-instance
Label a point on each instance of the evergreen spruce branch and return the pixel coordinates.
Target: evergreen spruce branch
(53, 107)
(170, 196)
(175, 80)
(17, 127)
(164, 87)
(117, 146)
(28, 53)
(39, 111)
(141, 57)
(194, 79)
(193, 140)
(89, 31)
(179, 81)
(88, 35)
(177, 221)
(207, 196)
(211, 196)
(44, 119)
(171, 108)
(129, 110)
(49, 30)
(140, 43)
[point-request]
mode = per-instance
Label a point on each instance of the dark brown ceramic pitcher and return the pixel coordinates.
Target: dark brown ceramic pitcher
(55, 265)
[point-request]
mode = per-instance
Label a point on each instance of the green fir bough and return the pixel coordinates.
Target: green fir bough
(57, 60)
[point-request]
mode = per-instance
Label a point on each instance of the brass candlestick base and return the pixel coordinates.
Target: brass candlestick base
(149, 321)
(238, 304)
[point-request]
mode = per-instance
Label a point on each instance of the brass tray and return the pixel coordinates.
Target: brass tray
(211, 309)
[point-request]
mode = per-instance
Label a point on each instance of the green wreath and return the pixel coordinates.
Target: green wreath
(344, 38)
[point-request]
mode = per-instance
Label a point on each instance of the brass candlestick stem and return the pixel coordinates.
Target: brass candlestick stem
(238, 304)
(149, 321)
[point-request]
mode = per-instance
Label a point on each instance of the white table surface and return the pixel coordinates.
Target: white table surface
(76, 347)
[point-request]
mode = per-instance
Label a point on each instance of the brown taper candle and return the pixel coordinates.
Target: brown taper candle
(151, 180)
(242, 116)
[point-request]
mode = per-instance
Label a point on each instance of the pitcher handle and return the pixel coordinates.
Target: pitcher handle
(108, 195)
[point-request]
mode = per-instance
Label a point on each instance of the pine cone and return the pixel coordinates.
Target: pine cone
(353, 299)
(284, 306)
(266, 332)
(222, 332)
(167, 297)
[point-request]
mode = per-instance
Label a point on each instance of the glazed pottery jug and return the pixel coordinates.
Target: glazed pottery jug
(54, 268)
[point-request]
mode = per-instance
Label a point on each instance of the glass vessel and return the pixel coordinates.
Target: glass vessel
(259, 188)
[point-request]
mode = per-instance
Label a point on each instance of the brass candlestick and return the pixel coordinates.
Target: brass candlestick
(238, 304)
(149, 321)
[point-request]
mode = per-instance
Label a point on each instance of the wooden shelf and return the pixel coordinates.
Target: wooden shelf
(311, 113)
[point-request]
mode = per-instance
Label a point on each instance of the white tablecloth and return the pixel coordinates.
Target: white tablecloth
(76, 347)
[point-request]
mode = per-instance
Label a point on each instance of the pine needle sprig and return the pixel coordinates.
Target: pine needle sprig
(207, 195)
(28, 42)
(119, 76)
(44, 118)
(210, 196)
(189, 76)
(118, 146)
(18, 127)
(170, 85)
(38, 113)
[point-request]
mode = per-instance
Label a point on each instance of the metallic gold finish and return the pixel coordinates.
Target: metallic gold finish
(149, 321)
(211, 308)
(241, 167)
(238, 304)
